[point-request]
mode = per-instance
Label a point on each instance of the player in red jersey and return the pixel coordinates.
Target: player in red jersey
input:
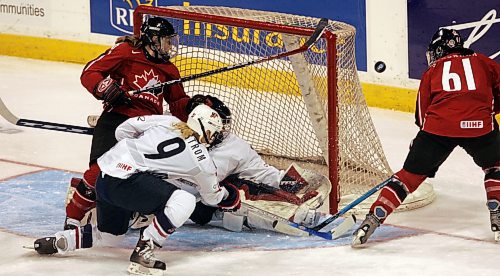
(132, 63)
(458, 98)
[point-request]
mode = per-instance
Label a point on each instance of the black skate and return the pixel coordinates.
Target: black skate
(143, 260)
(365, 230)
(50, 245)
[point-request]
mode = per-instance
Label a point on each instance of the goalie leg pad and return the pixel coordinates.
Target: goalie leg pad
(233, 222)
(307, 217)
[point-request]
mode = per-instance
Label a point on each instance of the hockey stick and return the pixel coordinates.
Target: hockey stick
(332, 234)
(329, 235)
(11, 118)
(285, 230)
(320, 28)
(351, 205)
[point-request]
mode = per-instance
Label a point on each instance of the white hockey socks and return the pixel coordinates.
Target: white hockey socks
(177, 210)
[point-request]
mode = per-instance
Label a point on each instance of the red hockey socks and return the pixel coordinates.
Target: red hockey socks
(394, 193)
(84, 197)
(492, 181)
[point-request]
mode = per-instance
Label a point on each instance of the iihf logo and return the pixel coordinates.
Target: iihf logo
(122, 11)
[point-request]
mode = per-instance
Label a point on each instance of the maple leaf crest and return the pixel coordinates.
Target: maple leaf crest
(147, 79)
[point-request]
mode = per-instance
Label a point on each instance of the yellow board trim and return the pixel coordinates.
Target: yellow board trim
(396, 98)
(49, 49)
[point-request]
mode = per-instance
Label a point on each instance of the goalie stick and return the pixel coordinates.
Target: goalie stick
(329, 235)
(11, 118)
(285, 226)
(318, 31)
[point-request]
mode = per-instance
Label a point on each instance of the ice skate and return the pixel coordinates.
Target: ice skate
(494, 207)
(143, 260)
(71, 224)
(50, 245)
(365, 230)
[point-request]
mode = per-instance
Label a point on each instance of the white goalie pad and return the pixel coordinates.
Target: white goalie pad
(313, 182)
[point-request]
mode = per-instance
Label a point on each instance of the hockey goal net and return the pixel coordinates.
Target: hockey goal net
(307, 108)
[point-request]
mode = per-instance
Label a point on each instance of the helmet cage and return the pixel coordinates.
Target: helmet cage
(160, 35)
(443, 42)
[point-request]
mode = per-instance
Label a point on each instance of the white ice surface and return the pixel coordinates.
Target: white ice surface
(459, 241)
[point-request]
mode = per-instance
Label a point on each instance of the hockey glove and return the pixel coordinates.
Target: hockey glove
(111, 94)
(232, 201)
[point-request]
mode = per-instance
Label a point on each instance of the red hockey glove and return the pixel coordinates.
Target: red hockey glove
(111, 94)
(232, 202)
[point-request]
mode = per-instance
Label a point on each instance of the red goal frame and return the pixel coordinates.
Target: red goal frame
(331, 62)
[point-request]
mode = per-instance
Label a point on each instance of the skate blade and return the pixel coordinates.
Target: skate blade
(497, 236)
(32, 247)
(356, 239)
(137, 269)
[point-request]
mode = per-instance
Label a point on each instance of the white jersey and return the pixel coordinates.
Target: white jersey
(235, 156)
(151, 144)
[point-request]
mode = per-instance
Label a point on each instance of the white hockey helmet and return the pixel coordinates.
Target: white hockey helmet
(206, 122)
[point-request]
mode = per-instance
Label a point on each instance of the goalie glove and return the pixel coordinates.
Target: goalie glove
(111, 94)
(231, 201)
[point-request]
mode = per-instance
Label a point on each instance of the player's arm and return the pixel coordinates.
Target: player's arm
(225, 196)
(496, 85)
(423, 99)
(236, 156)
(96, 77)
(176, 98)
(100, 68)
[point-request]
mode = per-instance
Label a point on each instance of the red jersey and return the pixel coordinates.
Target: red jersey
(459, 96)
(132, 70)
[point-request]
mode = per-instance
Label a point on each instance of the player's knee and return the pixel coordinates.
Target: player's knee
(86, 191)
(90, 175)
(179, 207)
(492, 172)
(410, 180)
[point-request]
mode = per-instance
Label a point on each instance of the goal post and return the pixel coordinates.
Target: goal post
(307, 108)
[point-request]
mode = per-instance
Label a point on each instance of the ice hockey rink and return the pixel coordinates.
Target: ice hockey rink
(449, 236)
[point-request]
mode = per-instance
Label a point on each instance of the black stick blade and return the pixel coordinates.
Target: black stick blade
(320, 28)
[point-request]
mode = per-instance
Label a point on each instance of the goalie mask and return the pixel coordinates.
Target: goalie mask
(160, 36)
(444, 42)
(206, 122)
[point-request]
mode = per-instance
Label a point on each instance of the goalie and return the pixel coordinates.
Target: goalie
(295, 194)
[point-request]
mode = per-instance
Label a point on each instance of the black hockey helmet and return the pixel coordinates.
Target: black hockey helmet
(444, 42)
(160, 35)
(225, 115)
(217, 105)
(221, 108)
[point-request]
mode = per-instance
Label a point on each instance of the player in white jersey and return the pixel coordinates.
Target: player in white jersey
(237, 162)
(138, 175)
